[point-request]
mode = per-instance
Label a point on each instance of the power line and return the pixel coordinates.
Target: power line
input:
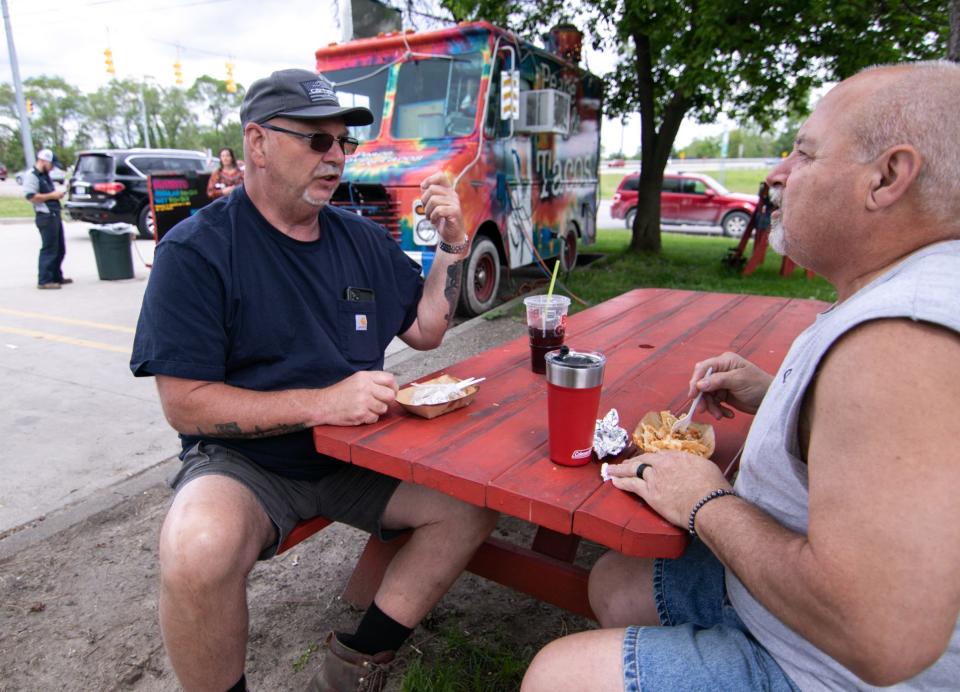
(151, 8)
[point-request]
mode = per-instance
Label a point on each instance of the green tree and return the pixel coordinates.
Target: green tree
(172, 123)
(753, 60)
(113, 115)
(222, 110)
(703, 148)
(57, 111)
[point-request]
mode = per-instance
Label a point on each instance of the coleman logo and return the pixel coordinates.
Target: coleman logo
(581, 453)
(318, 90)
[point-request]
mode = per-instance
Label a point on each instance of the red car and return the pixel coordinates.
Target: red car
(689, 198)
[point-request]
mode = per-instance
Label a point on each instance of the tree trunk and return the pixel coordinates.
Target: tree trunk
(953, 40)
(646, 224)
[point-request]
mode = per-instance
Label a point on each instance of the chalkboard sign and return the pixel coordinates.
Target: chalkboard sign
(175, 197)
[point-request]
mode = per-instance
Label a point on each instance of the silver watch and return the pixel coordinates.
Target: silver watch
(454, 249)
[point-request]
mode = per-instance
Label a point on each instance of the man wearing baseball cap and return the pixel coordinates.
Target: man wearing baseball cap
(39, 189)
(267, 313)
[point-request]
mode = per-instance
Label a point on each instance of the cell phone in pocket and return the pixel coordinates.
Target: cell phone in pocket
(354, 294)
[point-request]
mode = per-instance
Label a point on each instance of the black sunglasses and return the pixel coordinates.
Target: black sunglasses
(320, 141)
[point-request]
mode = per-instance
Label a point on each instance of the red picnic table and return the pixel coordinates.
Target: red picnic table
(493, 453)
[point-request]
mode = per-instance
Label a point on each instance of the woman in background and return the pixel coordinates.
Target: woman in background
(225, 178)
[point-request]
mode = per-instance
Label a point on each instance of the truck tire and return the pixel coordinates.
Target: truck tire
(145, 223)
(481, 278)
(735, 223)
(628, 219)
(569, 251)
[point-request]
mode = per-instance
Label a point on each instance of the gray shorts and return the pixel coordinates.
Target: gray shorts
(352, 495)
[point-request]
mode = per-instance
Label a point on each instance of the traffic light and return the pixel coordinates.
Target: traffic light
(178, 72)
(29, 106)
(231, 85)
(108, 57)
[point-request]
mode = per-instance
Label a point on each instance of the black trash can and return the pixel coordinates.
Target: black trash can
(111, 248)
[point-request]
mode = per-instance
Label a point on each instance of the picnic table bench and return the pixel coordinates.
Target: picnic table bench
(493, 453)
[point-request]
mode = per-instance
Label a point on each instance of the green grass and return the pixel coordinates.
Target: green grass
(458, 663)
(735, 179)
(15, 207)
(686, 262)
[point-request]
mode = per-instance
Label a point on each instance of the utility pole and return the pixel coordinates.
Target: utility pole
(25, 135)
(143, 115)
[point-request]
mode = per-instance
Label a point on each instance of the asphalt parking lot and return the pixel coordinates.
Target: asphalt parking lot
(75, 420)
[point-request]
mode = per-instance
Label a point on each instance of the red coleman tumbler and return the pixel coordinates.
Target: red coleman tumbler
(574, 381)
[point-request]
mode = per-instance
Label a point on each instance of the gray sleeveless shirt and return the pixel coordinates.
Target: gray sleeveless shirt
(924, 287)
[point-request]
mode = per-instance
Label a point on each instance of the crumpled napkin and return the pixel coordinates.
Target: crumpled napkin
(609, 439)
(436, 393)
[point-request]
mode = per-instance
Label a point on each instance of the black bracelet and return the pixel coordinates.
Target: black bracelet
(456, 249)
(712, 495)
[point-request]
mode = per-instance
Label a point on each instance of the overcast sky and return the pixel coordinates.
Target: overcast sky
(67, 38)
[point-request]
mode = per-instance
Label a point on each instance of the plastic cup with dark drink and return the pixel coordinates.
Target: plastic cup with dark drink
(574, 382)
(547, 326)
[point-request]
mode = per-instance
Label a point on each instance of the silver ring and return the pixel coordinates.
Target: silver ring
(640, 469)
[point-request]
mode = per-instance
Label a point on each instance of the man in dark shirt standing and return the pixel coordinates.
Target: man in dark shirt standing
(39, 189)
(268, 312)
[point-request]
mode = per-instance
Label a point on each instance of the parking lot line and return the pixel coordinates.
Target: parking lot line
(67, 320)
(65, 339)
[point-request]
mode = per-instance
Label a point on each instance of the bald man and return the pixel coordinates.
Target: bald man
(833, 561)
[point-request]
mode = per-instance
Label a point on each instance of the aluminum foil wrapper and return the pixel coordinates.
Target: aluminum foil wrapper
(609, 439)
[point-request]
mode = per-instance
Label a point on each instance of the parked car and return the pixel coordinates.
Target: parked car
(110, 185)
(3, 172)
(617, 163)
(57, 175)
(689, 198)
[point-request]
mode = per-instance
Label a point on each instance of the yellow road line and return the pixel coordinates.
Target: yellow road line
(66, 339)
(67, 320)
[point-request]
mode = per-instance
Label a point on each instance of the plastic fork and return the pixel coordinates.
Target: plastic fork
(683, 422)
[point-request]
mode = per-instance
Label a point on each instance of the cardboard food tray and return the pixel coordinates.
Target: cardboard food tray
(405, 396)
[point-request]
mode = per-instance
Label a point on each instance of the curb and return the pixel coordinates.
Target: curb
(25, 535)
(405, 354)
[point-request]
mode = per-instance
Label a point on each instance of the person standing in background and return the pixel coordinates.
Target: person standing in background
(225, 178)
(39, 189)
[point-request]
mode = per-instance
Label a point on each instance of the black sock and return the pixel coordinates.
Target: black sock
(240, 685)
(377, 632)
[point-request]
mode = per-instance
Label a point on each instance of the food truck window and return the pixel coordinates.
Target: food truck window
(494, 126)
(437, 97)
(362, 86)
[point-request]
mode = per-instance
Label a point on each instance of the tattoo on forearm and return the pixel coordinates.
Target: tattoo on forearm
(452, 289)
(233, 430)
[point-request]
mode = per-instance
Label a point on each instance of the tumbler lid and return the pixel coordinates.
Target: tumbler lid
(575, 369)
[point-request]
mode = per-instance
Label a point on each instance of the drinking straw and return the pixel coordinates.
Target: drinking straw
(553, 280)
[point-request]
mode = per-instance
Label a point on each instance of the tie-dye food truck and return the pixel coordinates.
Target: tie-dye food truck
(516, 127)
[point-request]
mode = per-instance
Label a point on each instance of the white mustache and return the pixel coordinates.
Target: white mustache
(324, 170)
(776, 195)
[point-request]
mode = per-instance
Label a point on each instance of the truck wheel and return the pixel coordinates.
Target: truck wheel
(145, 223)
(631, 215)
(481, 278)
(569, 251)
(735, 223)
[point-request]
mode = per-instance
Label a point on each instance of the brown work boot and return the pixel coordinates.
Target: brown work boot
(346, 670)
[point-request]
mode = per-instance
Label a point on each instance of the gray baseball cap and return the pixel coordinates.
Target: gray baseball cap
(298, 94)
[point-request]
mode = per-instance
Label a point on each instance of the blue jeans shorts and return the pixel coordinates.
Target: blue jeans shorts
(702, 644)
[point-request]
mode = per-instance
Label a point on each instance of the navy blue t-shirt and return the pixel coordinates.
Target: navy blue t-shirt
(232, 299)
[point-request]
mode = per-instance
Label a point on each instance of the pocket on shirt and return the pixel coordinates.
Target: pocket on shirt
(357, 322)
